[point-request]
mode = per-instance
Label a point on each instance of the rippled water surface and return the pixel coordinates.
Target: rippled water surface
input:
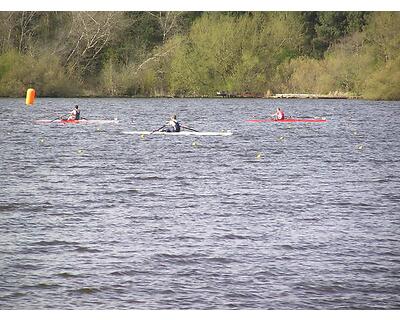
(276, 216)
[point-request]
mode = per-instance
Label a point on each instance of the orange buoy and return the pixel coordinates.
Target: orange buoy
(30, 96)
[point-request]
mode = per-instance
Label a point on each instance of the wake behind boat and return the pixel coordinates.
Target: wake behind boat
(180, 133)
(80, 121)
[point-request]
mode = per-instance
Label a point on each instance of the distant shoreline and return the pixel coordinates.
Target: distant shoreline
(312, 96)
(218, 96)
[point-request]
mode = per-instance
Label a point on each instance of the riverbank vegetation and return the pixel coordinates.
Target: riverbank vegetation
(188, 54)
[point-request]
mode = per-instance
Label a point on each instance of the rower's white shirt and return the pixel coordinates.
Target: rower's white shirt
(73, 115)
(172, 122)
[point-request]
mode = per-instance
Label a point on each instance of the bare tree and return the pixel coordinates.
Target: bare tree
(27, 29)
(89, 33)
(168, 21)
(158, 54)
(17, 30)
(6, 30)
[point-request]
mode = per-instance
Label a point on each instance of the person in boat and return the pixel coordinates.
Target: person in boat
(279, 114)
(75, 114)
(172, 125)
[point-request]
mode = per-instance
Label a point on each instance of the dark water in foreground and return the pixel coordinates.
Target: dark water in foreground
(93, 219)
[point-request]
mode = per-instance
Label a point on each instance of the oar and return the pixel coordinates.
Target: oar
(158, 129)
(189, 128)
(60, 117)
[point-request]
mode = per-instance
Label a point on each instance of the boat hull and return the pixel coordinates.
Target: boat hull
(181, 133)
(82, 121)
(287, 120)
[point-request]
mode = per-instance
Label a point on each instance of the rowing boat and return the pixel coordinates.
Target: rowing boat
(181, 133)
(288, 120)
(81, 121)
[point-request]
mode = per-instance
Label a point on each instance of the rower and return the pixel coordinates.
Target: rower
(279, 114)
(75, 114)
(173, 125)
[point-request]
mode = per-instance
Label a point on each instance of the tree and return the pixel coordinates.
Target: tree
(168, 21)
(382, 35)
(18, 30)
(88, 35)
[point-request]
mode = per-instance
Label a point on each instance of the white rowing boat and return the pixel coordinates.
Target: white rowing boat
(181, 133)
(81, 121)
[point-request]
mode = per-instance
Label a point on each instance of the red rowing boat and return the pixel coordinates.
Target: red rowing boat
(288, 120)
(81, 121)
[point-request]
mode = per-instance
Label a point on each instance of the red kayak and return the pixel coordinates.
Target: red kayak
(288, 120)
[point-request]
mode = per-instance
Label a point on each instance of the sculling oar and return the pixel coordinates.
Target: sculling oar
(158, 129)
(189, 128)
(60, 117)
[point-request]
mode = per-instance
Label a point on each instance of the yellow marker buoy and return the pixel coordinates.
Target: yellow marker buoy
(30, 96)
(195, 144)
(80, 150)
(142, 136)
(41, 140)
(259, 155)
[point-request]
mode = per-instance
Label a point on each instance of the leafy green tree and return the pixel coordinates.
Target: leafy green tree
(382, 35)
(384, 84)
(323, 29)
(235, 53)
(45, 74)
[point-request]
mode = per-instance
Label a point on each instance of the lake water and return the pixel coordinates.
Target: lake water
(276, 216)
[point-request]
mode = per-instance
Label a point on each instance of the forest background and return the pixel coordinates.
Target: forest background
(197, 54)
